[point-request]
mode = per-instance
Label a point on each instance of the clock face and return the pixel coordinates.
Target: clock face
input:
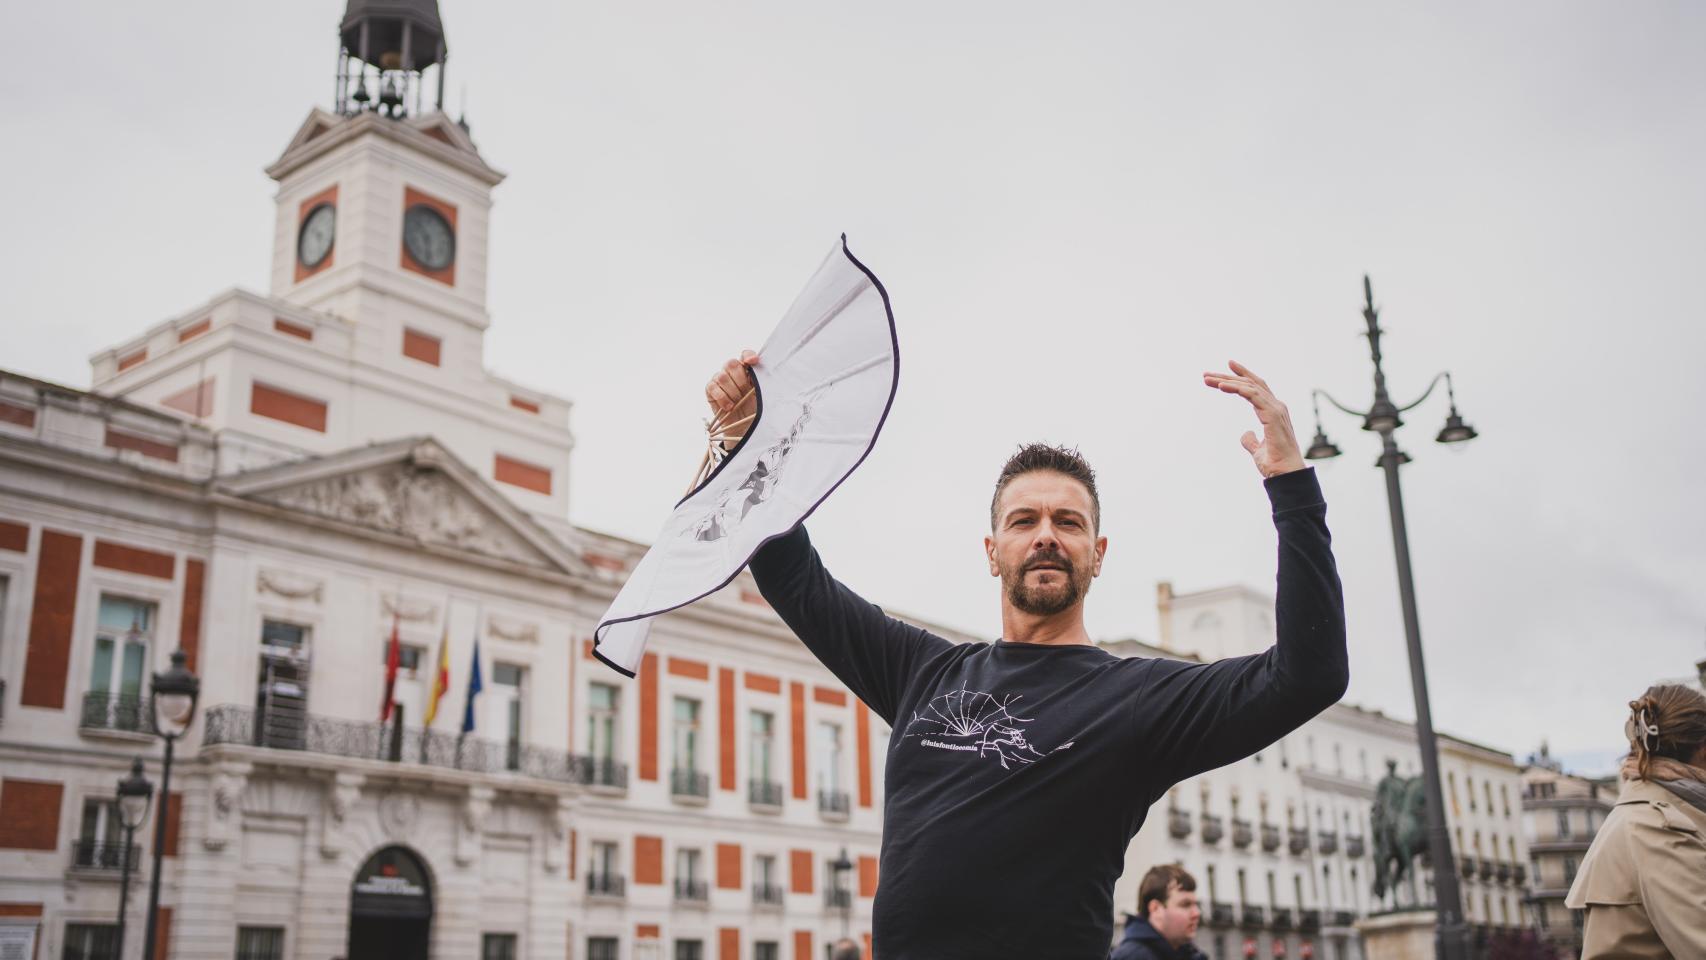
(428, 238)
(319, 229)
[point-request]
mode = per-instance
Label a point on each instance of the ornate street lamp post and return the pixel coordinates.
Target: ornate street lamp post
(1383, 417)
(174, 693)
(842, 866)
(134, 795)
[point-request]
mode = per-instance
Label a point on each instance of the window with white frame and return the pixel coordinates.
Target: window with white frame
(766, 950)
(497, 946)
(100, 837)
(124, 631)
(508, 696)
(761, 749)
(90, 941)
(601, 948)
(829, 758)
(686, 734)
(689, 950)
(601, 706)
(260, 943)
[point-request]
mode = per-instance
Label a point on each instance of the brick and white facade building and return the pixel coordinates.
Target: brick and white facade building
(272, 483)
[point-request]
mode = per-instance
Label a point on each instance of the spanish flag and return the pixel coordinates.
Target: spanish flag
(440, 676)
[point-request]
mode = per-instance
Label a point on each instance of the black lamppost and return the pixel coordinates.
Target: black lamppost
(134, 795)
(174, 694)
(842, 866)
(1382, 417)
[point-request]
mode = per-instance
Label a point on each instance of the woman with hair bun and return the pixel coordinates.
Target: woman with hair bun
(1643, 882)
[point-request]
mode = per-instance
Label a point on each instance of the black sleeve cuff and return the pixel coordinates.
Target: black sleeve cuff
(1295, 490)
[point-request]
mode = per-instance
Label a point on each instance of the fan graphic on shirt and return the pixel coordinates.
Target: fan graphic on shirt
(759, 484)
(968, 721)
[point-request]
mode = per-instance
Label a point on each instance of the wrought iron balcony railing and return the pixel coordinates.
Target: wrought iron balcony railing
(1242, 834)
(1212, 829)
(1252, 916)
(767, 894)
(606, 884)
(1178, 823)
(1299, 841)
(764, 793)
(232, 724)
(103, 855)
(1486, 869)
(1468, 864)
(1354, 846)
(837, 899)
(689, 783)
(1519, 873)
(1221, 914)
(1270, 837)
(692, 891)
(834, 803)
(117, 711)
(1327, 842)
(1308, 921)
(1282, 918)
(1344, 918)
(1503, 872)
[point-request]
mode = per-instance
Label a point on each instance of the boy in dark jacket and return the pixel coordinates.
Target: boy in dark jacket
(1167, 902)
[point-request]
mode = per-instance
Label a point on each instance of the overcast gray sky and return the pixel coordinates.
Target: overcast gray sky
(1076, 208)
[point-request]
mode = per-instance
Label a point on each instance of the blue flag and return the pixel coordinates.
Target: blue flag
(474, 688)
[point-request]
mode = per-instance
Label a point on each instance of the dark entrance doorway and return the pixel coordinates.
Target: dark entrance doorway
(390, 911)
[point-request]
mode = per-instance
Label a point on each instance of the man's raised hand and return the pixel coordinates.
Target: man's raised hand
(1276, 452)
(732, 399)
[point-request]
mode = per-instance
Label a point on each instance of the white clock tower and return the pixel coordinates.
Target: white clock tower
(374, 327)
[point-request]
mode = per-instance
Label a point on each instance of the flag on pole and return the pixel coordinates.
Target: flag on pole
(474, 687)
(393, 658)
(440, 675)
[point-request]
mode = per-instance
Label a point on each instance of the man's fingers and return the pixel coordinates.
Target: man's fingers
(1247, 373)
(1250, 442)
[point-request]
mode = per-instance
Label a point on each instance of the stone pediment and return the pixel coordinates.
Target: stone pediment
(415, 490)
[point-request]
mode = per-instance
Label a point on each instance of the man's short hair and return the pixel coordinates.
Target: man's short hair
(1043, 456)
(1159, 883)
(845, 949)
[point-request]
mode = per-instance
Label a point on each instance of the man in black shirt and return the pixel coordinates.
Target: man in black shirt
(1019, 770)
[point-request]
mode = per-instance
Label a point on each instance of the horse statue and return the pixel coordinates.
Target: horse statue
(1400, 828)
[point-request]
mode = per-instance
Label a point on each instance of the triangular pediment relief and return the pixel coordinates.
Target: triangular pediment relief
(412, 489)
(434, 134)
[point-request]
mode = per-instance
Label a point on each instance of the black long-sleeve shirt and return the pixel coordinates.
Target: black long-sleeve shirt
(1018, 773)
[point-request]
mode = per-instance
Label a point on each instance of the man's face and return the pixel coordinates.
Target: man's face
(1176, 919)
(1044, 548)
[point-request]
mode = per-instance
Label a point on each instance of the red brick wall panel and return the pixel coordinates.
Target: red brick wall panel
(867, 876)
(119, 440)
(797, 736)
(728, 943)
(196, 400)
(189, 627)
(691, 669)
(131, 360)
(869, 953)
(520, 404)
(29, 814)
(421, 346)
(519, 473)
(763, 683)
(293, 329)
(800, 871)
(21, 416)
(726, 731)
(803, 945)
(646, 931)
(830, 696)
(649, 717)
(728, 866)
(174, 823)
(47, 658)
(648, 860)
(287, 407)
(862, 741)
(148, 563)
(14, 536)
(195, 329)
(163, 933)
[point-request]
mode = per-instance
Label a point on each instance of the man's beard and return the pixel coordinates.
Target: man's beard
(1044, 601)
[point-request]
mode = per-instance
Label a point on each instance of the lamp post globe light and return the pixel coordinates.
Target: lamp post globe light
(135, 793)
(1385, 417)
(174, 694)
(843, 866)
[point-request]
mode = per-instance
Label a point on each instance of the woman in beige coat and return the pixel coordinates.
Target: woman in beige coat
(1643, 882)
